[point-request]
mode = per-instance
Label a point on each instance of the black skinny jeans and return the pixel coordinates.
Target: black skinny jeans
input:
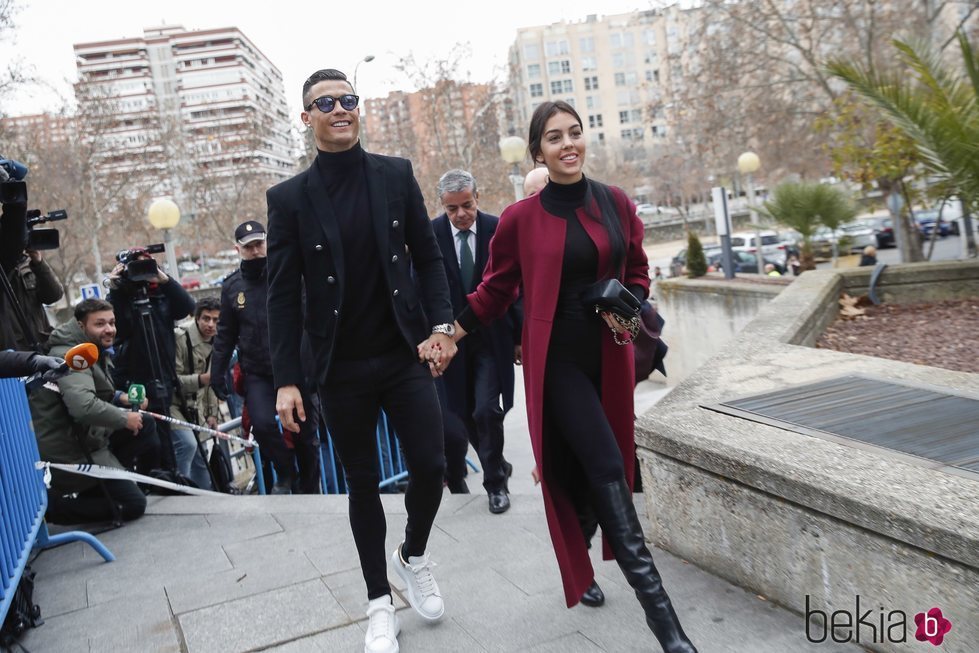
(573, 406)
(354, 393)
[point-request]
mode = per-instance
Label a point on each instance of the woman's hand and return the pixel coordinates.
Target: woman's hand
(613, 323)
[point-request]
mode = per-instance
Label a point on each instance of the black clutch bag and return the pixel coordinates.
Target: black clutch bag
(612, 297)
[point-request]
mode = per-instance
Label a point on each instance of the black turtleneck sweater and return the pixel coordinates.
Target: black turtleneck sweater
(367, 325)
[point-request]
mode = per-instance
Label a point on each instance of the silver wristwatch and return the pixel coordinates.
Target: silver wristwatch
(447, 329)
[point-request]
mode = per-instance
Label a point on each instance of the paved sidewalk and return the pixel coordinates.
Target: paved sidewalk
(280, 573)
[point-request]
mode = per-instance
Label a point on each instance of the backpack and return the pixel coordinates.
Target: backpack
(221, 470)
(23, 612)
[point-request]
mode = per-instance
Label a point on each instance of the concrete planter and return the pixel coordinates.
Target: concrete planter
(806, 522)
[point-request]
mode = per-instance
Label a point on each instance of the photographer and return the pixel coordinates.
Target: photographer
(34, 285)
(13, 235)
(147, 307)
(195, 401)
(81, 422)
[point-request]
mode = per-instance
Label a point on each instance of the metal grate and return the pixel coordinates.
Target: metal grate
(921, 425)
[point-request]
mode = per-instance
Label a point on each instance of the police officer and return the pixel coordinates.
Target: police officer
(244, 323)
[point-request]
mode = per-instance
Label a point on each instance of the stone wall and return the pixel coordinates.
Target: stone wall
(802, 519)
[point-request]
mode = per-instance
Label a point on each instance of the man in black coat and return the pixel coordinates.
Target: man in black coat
(348, 230)
(244, 324)
(478, 388)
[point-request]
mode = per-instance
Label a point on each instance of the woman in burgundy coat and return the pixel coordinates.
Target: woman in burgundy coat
(579, 381)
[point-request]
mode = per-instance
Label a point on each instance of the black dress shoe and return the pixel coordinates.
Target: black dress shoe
(499, 502)
(594, 596)
(507, 473)
(458, 487)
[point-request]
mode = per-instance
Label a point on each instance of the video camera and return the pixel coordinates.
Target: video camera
(13, 191)
(140, 265)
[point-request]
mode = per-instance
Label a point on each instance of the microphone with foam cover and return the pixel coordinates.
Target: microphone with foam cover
(81, 357)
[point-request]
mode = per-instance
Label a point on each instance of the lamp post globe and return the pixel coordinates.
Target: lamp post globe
(513, 149)
(748, 163)
(165, 214)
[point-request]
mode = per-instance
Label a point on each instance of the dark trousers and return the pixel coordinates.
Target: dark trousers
(479, 422)
(354, 393)
(285, 453)
(141, 450)
(91, 506)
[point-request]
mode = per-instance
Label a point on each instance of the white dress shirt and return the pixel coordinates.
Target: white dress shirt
(458, 242)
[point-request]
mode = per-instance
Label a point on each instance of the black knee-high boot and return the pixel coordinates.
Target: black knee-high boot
(617, 515)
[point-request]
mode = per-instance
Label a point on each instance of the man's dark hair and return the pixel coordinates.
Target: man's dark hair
(320, 76)
(88, 306)
(207, 304)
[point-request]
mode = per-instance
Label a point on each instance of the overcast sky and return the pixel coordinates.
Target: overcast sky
(298, 37)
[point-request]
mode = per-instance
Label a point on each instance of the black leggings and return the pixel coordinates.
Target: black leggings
(354, 392)
(579, 438)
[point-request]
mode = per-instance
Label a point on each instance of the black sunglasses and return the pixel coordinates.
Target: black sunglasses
(328, 103)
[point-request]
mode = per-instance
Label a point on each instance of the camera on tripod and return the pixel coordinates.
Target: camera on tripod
(140, 266)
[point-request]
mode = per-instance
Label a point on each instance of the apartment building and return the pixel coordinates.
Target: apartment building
(615, 70)
(179, 102)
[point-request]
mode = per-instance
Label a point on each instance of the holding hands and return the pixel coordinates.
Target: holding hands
(437, 350)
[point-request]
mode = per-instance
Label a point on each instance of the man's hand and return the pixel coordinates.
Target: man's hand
(205, 379)
(134, 422)
(34, 255)
(49, 367)
(212, 422)
(220, 389)
(289, 405)
(518, 355)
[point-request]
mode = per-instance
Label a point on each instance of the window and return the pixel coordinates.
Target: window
(593, 102)
(618, 60)
(621, 40)
(555, 48)
(635, 115)
(533, 70)
(623, 117)
(536, 90)
(559, 67)
(569, 100)
(595, 120)
(589, 63)
(649, 37)
(531, 51)
(586, 44)
(620, 79)
(562, 86)
(650, 56)
(591, 83)
(598, 138)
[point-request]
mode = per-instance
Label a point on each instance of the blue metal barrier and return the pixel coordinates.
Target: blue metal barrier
(23, 498)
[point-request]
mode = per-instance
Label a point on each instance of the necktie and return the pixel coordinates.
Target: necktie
(466, 264)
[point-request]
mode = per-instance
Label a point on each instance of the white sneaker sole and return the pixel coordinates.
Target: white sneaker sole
(413, 600)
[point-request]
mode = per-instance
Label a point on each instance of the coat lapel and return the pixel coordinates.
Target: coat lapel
(443, 232)
(377, 191)
(482, 246)
(323, 210)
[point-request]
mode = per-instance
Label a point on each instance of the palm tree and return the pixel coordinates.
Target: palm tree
(937, 105)
(804, 207)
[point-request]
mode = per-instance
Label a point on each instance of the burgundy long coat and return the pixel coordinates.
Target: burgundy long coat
(529, 247)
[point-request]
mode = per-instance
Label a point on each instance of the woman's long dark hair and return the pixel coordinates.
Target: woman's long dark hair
(598, 197)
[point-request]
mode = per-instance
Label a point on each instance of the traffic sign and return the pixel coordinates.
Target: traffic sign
(91, 291)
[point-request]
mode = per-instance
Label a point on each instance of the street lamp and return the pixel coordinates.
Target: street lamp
(165, 214)
(513, 149)
(748, 163)
(369, 58)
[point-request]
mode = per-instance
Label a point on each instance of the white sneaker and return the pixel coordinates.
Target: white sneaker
(423, 591)
(382, 627)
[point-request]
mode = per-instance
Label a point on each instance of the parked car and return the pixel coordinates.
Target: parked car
(678, 265)
(773, 246)
(188, 266)
(190, 283)
(926, 221)
(744, 262)
(860, 234)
